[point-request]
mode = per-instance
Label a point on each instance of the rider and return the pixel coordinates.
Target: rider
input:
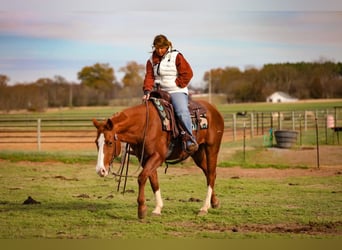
(168, 68)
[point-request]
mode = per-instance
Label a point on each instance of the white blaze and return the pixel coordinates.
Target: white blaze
(100, 156)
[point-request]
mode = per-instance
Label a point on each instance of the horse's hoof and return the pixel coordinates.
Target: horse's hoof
(156, 214)
(202, 213)
(141, 215)
(142, 212)
(216, 204)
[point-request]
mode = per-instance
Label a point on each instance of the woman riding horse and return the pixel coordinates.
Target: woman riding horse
(169, 69)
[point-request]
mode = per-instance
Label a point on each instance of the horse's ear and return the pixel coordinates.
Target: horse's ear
(109, 124)
(96, 123)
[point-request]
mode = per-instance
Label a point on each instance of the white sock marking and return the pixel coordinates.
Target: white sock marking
(207, 201)
(159, 203)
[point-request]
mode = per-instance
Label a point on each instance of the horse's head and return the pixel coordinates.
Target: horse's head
(108, 146)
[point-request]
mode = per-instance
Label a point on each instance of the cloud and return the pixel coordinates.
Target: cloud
(61, 38)
(156, 5)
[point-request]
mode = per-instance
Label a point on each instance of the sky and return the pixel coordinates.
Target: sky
(41, 38)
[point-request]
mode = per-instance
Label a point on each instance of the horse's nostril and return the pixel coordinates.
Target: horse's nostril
(103, 172)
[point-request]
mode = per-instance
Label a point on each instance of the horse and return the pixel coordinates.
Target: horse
(141, 127)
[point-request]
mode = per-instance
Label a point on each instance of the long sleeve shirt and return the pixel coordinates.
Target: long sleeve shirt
(182, 77)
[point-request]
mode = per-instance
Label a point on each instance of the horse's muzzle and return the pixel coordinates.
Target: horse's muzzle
(101, 171)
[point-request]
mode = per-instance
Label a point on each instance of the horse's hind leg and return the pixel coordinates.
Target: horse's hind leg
(211, 199)
(206, 160)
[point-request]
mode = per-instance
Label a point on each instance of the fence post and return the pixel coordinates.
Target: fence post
(38, 133)
(317, 142)
(257, 123)
(279, 121)
(305, 121)
(262, 123)
(234, 127)
(252, 125)
(326, 126)
(300, 130)
(244, 142)
(293, 121)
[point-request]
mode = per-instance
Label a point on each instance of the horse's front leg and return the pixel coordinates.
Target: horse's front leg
(155, 187)
(149, 171)
(142, 209)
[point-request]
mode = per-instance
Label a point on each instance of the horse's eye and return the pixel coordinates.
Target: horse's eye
(109, 143)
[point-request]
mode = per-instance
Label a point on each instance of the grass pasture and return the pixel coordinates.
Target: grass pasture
(77, 204)
(265, 193)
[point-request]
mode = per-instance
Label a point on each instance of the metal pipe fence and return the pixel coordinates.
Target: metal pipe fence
(21, 130)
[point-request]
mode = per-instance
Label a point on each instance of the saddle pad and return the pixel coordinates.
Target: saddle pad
(166, 115)
(163, 113)
(203, 122)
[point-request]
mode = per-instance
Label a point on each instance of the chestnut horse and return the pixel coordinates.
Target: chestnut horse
(141, 127)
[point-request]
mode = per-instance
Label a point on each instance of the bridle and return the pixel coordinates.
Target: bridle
(124, 163)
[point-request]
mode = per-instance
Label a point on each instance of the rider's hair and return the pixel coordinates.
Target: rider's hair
(161, 41)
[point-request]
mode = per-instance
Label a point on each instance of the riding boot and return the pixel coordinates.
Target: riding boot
(191, 146)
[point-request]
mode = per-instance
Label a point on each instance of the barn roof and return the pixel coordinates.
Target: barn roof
(280, 96)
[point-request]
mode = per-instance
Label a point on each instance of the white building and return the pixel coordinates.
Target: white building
(280, 97)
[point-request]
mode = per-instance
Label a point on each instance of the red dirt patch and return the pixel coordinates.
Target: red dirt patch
(330, 159)
(239, 172)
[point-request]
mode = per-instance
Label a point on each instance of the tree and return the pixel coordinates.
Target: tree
(133, 78)
(100, 77)
(3, 80)
(316, 88)
(223, 80)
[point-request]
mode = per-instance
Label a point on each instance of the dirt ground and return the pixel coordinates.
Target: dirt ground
(330, 165)
(238, 172)
(330, 158)
(303, 160)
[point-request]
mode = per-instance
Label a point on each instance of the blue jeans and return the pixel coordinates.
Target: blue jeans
(180, 105)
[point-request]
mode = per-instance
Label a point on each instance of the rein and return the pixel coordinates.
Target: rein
(144, 136)
(123, 164)
(125, 158)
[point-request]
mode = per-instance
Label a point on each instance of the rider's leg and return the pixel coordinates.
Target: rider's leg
(180, 105)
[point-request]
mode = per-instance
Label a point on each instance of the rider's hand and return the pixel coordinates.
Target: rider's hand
(146, 97)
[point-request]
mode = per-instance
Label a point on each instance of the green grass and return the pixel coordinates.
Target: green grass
(244, 164)
(90, 112)
(77, 204)
(273, 107)
(34, 156)
(107, 111)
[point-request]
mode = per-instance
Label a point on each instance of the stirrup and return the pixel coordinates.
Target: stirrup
(191, 147)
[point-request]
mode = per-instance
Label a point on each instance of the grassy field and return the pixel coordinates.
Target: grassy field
(265, 193)
(77, 204)
(107, 111)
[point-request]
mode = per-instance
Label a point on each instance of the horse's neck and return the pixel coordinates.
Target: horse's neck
(130, 125)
